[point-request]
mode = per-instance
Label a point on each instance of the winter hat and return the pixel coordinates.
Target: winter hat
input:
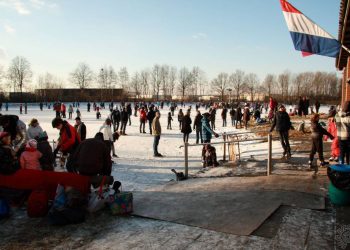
(43, 136)
(32, 143)
(33, 121)
(3, 134)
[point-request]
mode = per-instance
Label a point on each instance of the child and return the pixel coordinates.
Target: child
(98, 114)
(70, 111)
(47, 161)
(332, 129)
(169, 120)
(210, 156)
(78, 113)
(30, 157)
(317, 132)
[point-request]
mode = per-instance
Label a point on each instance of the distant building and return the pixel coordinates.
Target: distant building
(68, 95)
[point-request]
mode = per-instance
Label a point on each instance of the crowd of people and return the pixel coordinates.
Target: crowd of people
(24, 149)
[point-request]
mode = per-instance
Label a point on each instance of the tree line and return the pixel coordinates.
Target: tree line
(166, 81)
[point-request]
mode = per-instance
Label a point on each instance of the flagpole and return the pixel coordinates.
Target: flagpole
(345, 48)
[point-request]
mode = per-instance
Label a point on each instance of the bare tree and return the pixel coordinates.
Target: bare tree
(19, 73)
(185, 80)
(172, 80)
(156, 80)
(164, 77)
(269, 83)
(252, 84)
(49, 81)
(283, 82)
(220, 84)
(136, 84)
(237, 80)
(145, 75)
(124, 78)
(82, 76)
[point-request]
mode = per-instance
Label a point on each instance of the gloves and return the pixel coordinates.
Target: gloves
(216, 135)
(332, 137)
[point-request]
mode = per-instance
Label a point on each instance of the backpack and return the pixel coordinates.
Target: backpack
(4, 208)
(37, 204)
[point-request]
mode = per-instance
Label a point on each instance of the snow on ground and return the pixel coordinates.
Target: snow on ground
(136, 167)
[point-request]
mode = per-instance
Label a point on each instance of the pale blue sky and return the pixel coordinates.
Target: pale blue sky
(216, 35)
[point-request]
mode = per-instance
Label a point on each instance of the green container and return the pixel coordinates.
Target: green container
(337, 196)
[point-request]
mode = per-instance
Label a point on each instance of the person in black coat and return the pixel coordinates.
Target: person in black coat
(317, 106)
(212, 118)
(282, 123)
(186, 125)
(150, 116)
(197, 125)
(224, 116)
(115, 115)
(124, 120)
(129, 110)
(80, 128)
(233, 114)
(238, 117)
(300, 106)
(47, 160)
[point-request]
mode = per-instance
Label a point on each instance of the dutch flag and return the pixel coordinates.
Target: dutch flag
(307, 36)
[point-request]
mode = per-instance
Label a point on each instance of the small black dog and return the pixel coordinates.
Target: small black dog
(179, 175)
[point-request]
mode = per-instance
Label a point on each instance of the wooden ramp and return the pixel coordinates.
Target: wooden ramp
(238, 213)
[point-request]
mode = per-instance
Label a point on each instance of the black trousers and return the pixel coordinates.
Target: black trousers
(169, 125)
(224, 122)
(142, 126)
(123, 126)
(317, 146)
(116, 125)
(284, 139)
(199, 135)
(186, 136)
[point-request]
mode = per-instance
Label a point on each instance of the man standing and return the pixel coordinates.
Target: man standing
(124, 118)
(80, 128)
(156, 132)
(150, 117)
(342, 120)
(282, 123)
(197, 126)
(143, 119)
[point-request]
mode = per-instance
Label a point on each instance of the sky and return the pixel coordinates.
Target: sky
(215, 35)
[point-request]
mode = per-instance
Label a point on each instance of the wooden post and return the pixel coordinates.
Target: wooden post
(186, 159)
(224, 158)
(269, 159)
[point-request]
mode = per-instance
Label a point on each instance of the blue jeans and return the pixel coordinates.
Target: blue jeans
(155, 144)
(344, 146)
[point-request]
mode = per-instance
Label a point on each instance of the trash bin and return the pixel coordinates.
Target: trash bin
(339, 188)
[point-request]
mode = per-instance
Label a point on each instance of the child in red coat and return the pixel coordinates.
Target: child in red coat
(332, 129)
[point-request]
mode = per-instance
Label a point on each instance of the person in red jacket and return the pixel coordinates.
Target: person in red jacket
(332, 129)
(68, 142)
(143, 119)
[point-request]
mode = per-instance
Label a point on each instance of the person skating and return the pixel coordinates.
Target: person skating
(232, 115)
(63, 110)
(282, 123)
(68, 142)
(70, 111)
(88, 107)
(238, 117)
(80, 128)
(124, 120)
(212, 118)
(197, 126)
(150, 116)
(342, 120)
(115, 119)
(224, 116)
(25, 108)
(246, 117)
(180, 117)
(186, 126)
(129, 110)
(170, 119)
(143, 119)
(156, 132)
(317, 133)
